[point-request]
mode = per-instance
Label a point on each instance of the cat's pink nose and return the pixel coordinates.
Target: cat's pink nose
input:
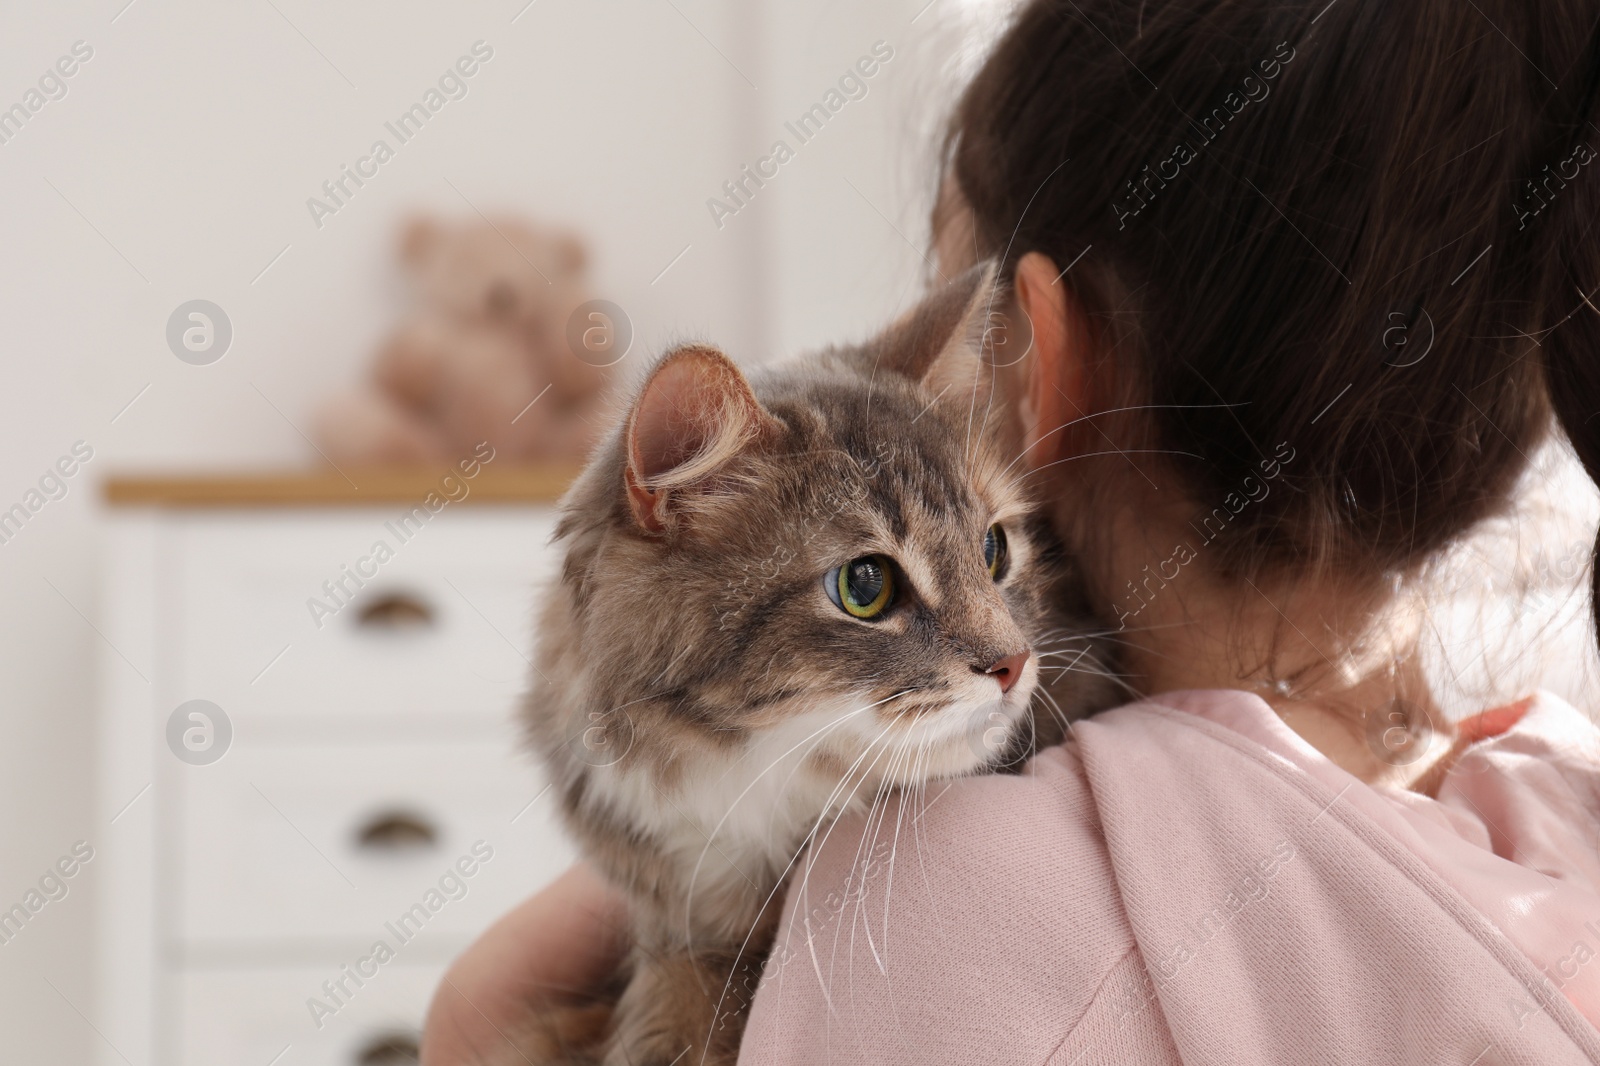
(1008, 670)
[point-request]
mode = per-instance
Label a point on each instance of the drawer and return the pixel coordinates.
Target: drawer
(443, 625)
(252, 1016)
(290, 847)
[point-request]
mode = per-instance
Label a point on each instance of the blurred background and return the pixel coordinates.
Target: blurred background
(247, 853)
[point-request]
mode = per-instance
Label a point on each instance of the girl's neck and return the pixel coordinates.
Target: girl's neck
(1337, 664)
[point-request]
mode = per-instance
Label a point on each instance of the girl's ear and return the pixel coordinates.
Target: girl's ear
(694, 414)
(1053, 378)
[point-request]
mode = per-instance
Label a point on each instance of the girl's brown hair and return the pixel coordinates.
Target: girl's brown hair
(1363, 228)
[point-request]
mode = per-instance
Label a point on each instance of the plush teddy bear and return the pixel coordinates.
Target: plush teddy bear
(488, 338)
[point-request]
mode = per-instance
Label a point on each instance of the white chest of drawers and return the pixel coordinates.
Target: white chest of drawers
(293, 902)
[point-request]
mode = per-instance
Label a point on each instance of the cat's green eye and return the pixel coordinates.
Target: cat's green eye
(994, 551)
(862, 588)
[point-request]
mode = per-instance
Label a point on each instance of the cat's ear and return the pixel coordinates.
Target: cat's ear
(948, 341)
(695, 413)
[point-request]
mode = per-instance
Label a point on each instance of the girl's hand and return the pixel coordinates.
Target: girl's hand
(562, 943)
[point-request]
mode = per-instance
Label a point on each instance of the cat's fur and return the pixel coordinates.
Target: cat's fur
(703, 707)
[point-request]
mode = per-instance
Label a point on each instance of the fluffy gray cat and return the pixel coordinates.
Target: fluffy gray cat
(784, 597)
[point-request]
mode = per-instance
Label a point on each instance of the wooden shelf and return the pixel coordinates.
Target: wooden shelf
(326, 487)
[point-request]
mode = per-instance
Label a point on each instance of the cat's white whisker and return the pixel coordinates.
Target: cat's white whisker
(894, 848)
(1114, 451)
(805, 884)
(875, 817)
(825, 728)
(880, 807)
(802, 848)
(1111, 411)
(907, 798)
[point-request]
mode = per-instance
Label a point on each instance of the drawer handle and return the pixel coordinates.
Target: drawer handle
(396, 831)
(391, 1049)
(395, 611)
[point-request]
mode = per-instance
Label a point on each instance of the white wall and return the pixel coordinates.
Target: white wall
(177, 166)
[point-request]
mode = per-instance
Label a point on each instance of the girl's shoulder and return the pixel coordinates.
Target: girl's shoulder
(1177, 862)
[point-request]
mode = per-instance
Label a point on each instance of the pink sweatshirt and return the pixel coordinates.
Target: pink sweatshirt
(1189, 881)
